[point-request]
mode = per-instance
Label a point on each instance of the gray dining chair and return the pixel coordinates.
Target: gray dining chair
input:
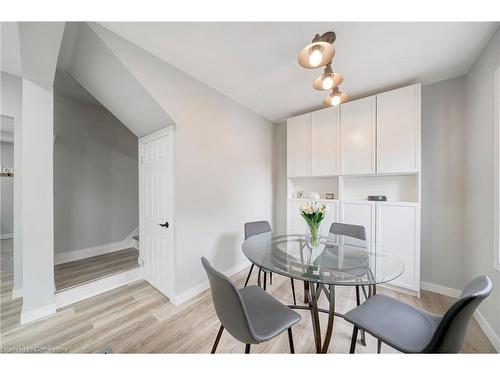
(354, 231)
(252, 229)
(412, 330)
(250, 315)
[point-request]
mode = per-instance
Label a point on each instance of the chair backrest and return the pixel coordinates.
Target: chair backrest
(228, 305)
(355, 231)
(450, 334)
(256, 227)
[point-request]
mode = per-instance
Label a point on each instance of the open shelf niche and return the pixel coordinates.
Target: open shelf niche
(307, 185)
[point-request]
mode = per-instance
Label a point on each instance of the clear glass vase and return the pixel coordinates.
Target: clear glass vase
(312, 238)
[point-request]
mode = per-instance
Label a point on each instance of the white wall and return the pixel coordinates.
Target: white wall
(223, 164)
(95, 177)
(479, 174)
(11, 105)
(443, 205)
(6, 191)
(37, 197)
(279, 178)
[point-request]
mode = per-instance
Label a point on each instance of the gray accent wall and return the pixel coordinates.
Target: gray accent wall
(479, 176)
(95, 176)
(443, 205)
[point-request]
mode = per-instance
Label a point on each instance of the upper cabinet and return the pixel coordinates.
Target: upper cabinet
(398, 130)
(325, 138)
(358, 127)
(313, 143)
(298, 146)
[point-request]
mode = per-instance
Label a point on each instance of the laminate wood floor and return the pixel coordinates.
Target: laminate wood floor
(136, 318)
(71, 274)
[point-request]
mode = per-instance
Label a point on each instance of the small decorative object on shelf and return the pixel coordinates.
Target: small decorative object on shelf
(378, 198)
(314, 195)
(313, 213)
(300, 194)
(329, 195)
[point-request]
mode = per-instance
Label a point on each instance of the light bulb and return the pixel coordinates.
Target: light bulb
(327, 83)
(335, 100)
(315, 57)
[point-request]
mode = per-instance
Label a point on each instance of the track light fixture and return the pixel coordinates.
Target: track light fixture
(320, 52)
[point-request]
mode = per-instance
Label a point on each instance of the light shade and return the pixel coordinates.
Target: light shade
(335, 98)
(316, 55)
(328, 81)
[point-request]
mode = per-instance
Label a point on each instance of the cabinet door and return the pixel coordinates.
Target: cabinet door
(298, 146)
(398, 130)
(296, 223)
(398, 233)
(357, 133)
(331, 217)
(359, 213)
(325, 142)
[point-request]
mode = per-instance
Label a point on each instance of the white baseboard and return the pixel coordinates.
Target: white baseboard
(17, 293)
(37, 314)
(71, 256)
(91, 289)
(488, 330)
(444, 290)
(183, 297)
(6, 236)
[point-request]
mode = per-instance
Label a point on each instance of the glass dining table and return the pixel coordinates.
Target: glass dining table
(337, 261)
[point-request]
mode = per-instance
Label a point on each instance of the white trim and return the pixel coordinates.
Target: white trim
(71, 256)
(17, 293)
(444, 290)
(488, 330)
(183, 297)
(496, 175)
(37, 314)
(6, 236)
(88, 290)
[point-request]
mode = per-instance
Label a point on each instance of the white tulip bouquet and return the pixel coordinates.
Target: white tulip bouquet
(313, 213)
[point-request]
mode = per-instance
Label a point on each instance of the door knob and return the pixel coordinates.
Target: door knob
(164, 225)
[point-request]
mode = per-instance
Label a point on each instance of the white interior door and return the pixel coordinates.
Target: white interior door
(156, 210)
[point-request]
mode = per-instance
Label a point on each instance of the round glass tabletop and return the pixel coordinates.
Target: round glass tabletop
(338, 260)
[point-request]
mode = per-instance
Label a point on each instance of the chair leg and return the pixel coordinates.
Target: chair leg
(247, 348)
(293, 292)
(290, 341)
(358, 300)
(249, 273)
(219, 334)
(379, 346)
(354, 338)
(265, 280)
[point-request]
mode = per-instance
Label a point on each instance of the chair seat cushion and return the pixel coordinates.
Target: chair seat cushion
(268, 316)
(404, 327)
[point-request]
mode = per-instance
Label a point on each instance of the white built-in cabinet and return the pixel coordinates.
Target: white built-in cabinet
(398, 130)
(398, 231)
(325, 140)
(359, 213)
(369, 146)
(313, 142)
(298, 146)
(358, 132)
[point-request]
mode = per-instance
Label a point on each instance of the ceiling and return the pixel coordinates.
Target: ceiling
(256, 63)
